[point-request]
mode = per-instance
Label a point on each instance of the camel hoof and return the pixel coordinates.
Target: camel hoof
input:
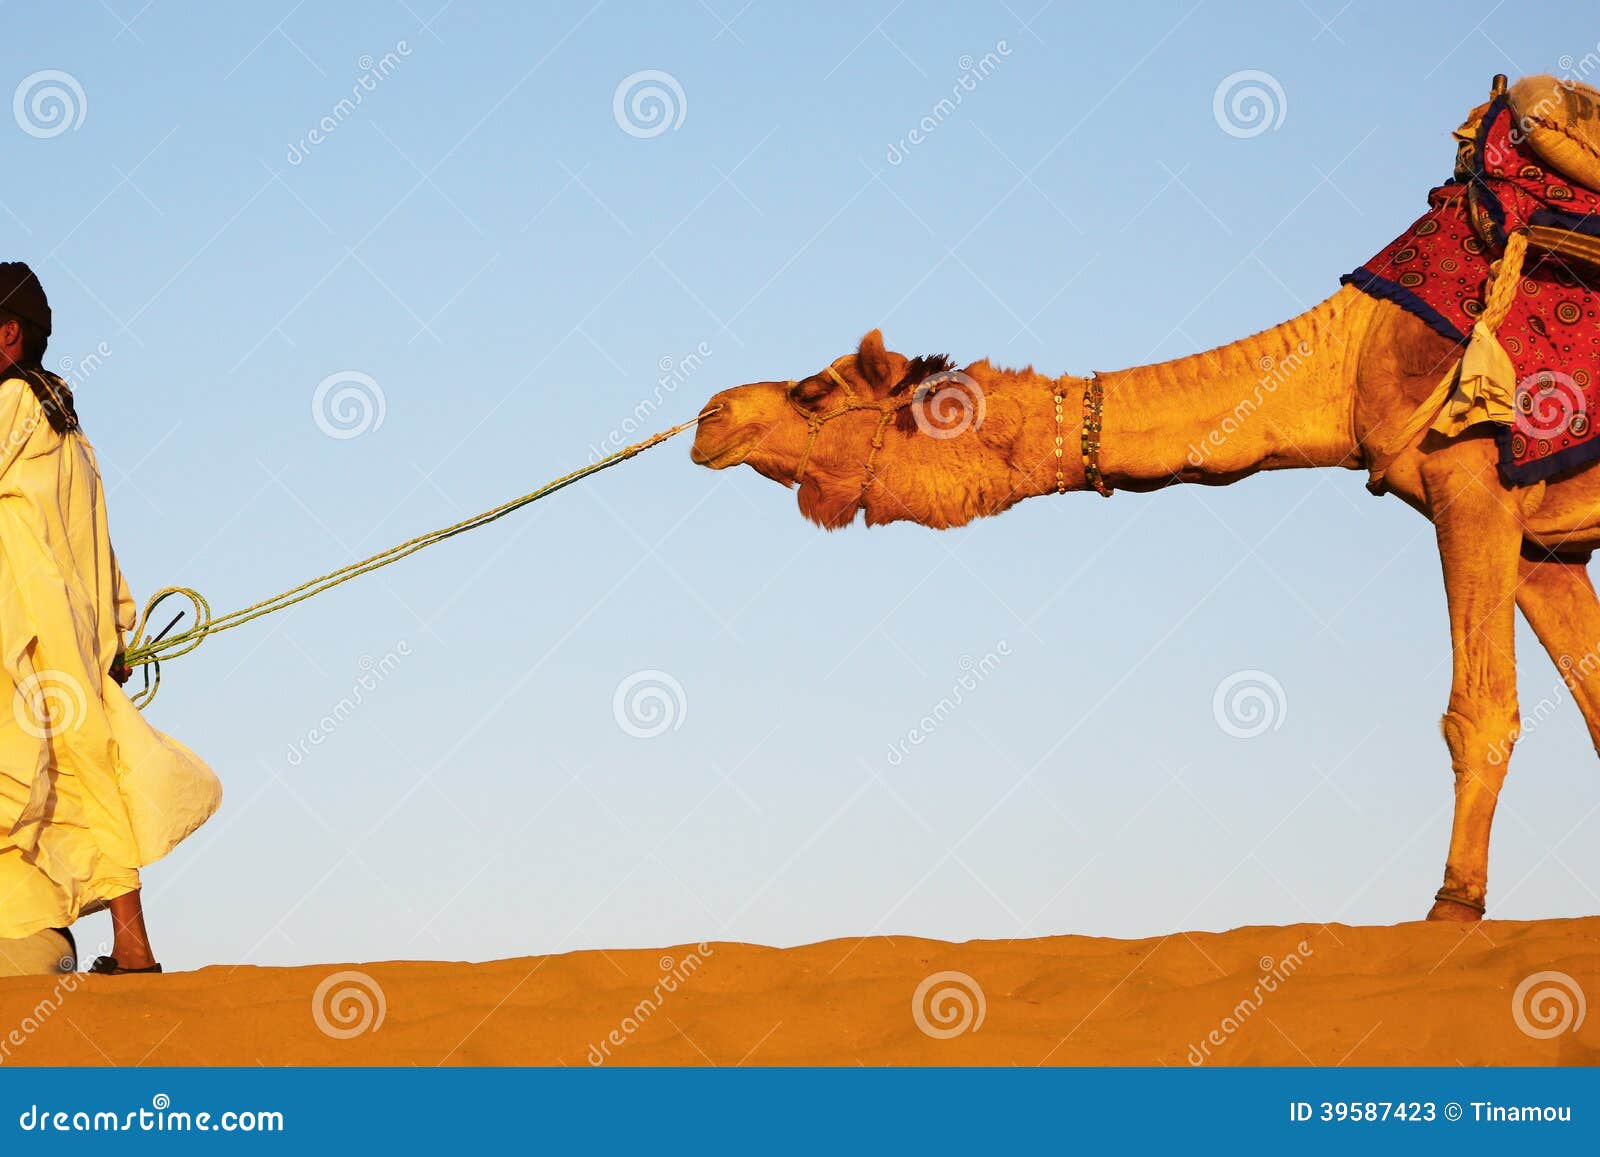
(1454, 912)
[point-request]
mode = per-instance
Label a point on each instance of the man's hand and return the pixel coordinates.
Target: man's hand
(120, 671)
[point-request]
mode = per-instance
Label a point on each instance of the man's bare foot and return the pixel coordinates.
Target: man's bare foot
(130, 943)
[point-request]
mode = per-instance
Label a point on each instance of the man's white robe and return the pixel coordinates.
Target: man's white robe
(89, 792)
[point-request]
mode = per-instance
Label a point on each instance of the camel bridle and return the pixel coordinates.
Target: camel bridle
(1088, 445)
(815, 420)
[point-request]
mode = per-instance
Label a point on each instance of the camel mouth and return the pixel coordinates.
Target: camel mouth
(734, 448)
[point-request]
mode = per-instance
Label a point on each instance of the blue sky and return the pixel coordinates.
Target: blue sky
(510, 269)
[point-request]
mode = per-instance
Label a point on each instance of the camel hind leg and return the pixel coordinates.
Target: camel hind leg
(1559, 602)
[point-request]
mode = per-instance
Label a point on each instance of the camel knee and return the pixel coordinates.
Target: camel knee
(1480, 742)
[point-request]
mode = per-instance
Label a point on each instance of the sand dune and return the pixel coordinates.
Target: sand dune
(1300, 995)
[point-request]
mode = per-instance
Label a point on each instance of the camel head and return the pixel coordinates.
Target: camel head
(877, 432)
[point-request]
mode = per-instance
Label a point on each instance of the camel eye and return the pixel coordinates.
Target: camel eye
(811, 391)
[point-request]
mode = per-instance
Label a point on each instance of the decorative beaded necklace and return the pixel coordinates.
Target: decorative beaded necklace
(1089, 444)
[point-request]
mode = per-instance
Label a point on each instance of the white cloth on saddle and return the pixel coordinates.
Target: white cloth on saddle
(89, 791)
(1561, 119)
(41, 954)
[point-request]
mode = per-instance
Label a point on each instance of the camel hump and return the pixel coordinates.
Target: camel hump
(1562, 121)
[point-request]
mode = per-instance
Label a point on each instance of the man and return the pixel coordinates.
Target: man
(89, 792)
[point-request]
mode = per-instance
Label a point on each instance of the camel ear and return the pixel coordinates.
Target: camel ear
(875, 363)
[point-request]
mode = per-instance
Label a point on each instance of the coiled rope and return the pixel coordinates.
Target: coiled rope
(151, 652)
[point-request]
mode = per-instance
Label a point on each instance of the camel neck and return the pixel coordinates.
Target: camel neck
(1276, 400)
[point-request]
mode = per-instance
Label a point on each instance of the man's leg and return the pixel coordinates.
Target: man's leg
(130, 943)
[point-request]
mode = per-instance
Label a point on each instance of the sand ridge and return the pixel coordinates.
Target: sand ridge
(1298, 995)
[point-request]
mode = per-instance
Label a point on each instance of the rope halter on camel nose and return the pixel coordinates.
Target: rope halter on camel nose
(886, 410)
(1089, 437)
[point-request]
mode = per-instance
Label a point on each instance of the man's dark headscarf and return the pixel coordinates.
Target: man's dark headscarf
(22, 297)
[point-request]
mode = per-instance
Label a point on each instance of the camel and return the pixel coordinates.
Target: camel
(896, 438)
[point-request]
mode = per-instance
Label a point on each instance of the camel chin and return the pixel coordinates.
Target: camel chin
(720, 457)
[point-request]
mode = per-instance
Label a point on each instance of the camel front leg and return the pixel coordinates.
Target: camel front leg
(1560, 604)
(1480, 536)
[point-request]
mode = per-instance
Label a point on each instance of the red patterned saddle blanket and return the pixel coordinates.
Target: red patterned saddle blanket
(1439, 270)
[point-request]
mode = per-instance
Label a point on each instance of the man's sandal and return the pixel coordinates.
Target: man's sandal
(108, 966)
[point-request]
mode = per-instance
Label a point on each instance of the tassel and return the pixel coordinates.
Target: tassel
(1482, 385)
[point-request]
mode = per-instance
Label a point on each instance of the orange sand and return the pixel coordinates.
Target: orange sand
(1410, 994)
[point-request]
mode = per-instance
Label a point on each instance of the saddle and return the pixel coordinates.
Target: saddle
(1507, 264)
(1556, 123)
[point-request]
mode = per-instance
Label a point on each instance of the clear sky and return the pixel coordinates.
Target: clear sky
(510, 267)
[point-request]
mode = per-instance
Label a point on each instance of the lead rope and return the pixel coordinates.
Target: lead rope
(150, 653)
